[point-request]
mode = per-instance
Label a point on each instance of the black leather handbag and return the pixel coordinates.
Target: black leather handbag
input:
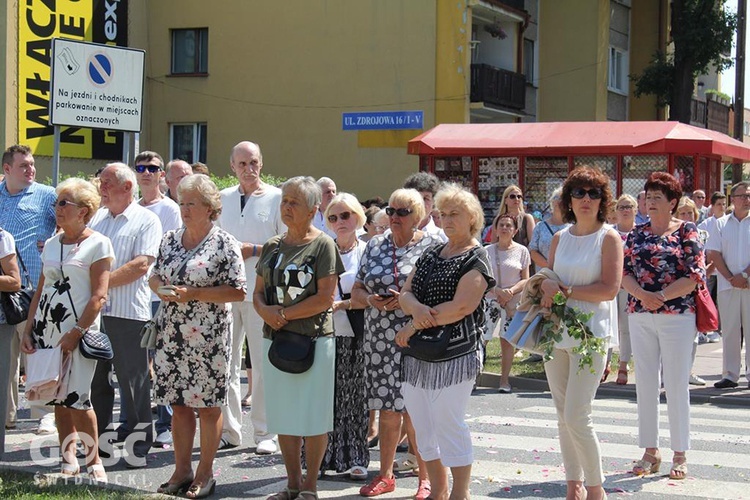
(292, 352)
(431, 344)
(96, 345)
(15, 305)
(356, 316)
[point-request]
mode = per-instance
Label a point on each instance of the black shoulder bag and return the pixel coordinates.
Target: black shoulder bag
(15, 305)
(290, 352)
(431, 344)
(94, 344)
(356, 316)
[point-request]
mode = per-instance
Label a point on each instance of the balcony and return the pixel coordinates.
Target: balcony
(497, 87)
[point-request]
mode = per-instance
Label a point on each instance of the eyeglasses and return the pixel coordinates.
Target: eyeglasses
(515, 196)
(151, 168)
(344, 216)
(742, 196)
(579, 193)
(63, 203)
(381, 229)
(401, 212)
(625, 207)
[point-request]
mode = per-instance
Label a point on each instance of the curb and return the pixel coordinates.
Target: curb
(609, 389)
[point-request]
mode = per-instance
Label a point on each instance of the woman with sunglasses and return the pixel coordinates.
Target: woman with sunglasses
(388, 260)
(347, 444)
(512, 204)
(67, 303)
(625, 210)
(587, 258)
(664, 261)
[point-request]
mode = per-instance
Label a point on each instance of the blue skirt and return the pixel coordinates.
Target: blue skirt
(301, 404)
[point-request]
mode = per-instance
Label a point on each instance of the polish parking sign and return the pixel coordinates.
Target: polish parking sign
(96, 86)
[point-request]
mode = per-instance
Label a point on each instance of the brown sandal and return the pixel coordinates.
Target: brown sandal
(678, 472)
(643, 466)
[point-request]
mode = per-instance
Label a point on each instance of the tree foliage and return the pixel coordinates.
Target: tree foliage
(701, 31)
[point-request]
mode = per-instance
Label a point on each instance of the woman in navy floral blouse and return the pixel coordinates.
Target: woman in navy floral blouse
(664, 261)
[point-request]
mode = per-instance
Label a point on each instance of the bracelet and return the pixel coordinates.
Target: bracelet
(662, 295)
(81, 329)
(411, 324)
(349, 305)
(255, 249)
(282, 314)
(569, 290)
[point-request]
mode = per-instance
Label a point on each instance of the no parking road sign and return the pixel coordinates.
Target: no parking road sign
(96, 86)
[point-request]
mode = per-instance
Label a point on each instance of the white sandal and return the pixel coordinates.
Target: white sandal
(93, 469)
(358, 473)
(67, 469)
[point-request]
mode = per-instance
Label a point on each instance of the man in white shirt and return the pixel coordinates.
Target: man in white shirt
(727, 248)
(329, 191)
(428, 186)
(173, 174)
(251, 213)
(135, 234)
(149, 171)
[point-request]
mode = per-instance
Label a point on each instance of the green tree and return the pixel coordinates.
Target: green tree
(701, 32)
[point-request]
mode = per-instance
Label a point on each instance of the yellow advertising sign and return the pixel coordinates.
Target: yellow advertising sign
(40, 21)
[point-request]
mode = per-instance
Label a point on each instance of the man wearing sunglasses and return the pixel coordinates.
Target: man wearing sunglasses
(25, 212)
(251, 213)
(727, 247)
(149, 172)
(428, 186)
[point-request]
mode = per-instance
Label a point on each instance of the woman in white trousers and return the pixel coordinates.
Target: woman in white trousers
(664, 260)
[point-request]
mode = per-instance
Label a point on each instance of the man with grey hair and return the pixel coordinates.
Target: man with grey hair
(251, 213)
(329, 191)
(699, 198)
(727, 249)
(173, 174)
(135, 233)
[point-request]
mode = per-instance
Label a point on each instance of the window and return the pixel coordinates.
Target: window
(528, 60)
(190, 51)
(746, 128)
(188, 142)
(618, 70)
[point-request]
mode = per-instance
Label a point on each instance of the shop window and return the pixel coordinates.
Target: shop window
(188, 142)
(190, 51)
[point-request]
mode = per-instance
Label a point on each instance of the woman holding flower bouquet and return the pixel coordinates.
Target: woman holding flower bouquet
(588, 259)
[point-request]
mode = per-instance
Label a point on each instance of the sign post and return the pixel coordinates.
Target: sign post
(95, 86)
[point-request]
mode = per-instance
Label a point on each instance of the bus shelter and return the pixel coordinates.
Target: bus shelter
(537, 157)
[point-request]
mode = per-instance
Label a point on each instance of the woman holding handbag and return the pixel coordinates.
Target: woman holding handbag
(71, 292)
(446, 289)
(347, 444)
(297, 276)
(664, 261)
(509, 262)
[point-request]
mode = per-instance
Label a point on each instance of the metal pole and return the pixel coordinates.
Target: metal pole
(56, 157)
(739, 84)
(126, 148)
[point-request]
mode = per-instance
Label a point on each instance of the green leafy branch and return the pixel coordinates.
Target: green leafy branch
(576, 323)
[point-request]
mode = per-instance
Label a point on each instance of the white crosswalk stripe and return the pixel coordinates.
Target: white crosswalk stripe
(527, 441)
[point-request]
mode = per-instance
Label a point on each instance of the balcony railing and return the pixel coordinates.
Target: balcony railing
(497, 86)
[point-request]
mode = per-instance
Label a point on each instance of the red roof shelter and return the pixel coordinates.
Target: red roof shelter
(538, 156)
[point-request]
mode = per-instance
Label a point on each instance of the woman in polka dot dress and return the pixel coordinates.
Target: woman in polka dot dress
(387, 261)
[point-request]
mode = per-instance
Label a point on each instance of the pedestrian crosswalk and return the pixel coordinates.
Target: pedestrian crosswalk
(517, 453)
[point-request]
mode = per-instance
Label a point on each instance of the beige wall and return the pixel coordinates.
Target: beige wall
(8, 72)
(282, 74)
(648, 25)
(573, 54)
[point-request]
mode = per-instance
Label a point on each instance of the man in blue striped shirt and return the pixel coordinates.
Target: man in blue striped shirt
(25, 212)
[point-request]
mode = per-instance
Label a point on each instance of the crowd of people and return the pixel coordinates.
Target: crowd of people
(362, 323)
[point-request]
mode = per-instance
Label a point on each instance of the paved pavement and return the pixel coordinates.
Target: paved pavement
(515, 441)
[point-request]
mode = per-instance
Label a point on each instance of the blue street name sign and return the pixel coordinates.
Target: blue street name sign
(383, 120)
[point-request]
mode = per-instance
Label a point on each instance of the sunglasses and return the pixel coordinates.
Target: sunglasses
(344, 216)
(63, 203)
(579, 193)
(401, 212)
(151, 168)
(625, 207)
(515, 196)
